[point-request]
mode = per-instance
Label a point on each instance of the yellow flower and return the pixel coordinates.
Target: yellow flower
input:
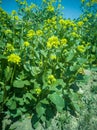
(63, 41)
(32, 6)
(27, 9)
(89, 15)
(40, 63)
(30, 33)
(14, 58)
(10, 47)
(82, 1)
(88, 4)
(81, 71)
(16, 17)
(94, 1)
(80, 23)
(85, 19)
(53, 57)
(26, 43)
(44, 1)
(38, 91)
(62, 21)
(51, 79)
(81, 48)
(59, 6)
(53, 42)
(75, 28)
(39, 32)
(14, 12)
(50, 8)
(8, 31)
(74, 35)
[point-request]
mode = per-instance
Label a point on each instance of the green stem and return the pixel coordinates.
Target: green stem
(12, 77)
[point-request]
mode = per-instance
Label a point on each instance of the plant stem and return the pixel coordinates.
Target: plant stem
(14, 68)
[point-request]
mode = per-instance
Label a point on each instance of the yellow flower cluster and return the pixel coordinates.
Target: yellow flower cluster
(50, 8)
(13, 58)
(53, 42)
(38, 91)
(62, 21)
(66, 22)
(53, 57)
(80, 23)
(94, 1)
(50, 23)
(16, 17)
(26, 43)
(88, 4)
(39, 32)
(8, 31)
(63, 41)
(82, 1)
(14, 12)
(27, 9)
(30, 33)
(81, 48)
(51, 79)
(81, 70)
(75, 35)
(10, 47)
(89, 15)
(85, 19)
(32, 6)
(40, 63)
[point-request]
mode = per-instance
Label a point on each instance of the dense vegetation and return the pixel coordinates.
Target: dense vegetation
(43, 58)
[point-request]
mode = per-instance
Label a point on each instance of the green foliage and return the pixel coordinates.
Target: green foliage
(42, 56)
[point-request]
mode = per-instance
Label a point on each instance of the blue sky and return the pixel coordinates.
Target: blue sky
(71, 7)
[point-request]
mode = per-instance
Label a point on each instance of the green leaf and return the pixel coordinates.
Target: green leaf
(57, 100)
(74, 67)
(8, 73)
(3, 57)
(75, 99)
(18, 84)
(76, 106)
(29, 96)
(44, 101)
(26, 82)
(11, 104)
(61, 82)
(35, 70)
(70, 56)
(40, 109)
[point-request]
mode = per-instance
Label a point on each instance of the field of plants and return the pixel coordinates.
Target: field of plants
(48, 67)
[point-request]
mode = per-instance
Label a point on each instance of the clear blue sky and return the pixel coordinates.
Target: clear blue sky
(71, 7)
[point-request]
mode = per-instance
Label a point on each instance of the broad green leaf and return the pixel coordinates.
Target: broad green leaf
(74, 67)
(8, 73)
(70, 56)
(18, 84)
(57, 100)
(76, 106)
(29, 96)
(35, 70)
(26, 82)
(11, 104)
(3, 57)
(40, 109)
(44, 101)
